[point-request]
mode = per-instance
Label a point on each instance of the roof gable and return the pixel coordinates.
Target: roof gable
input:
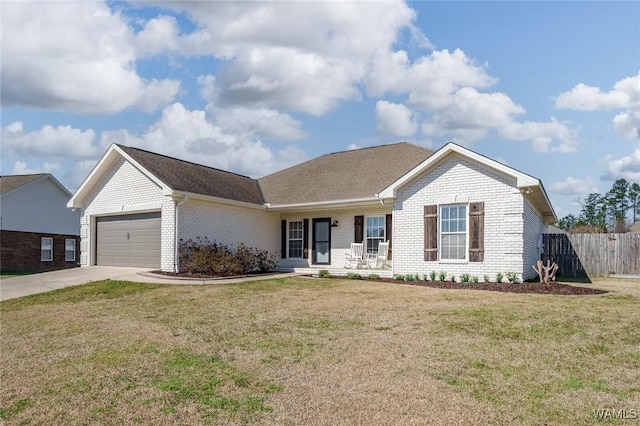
(348, 175)
(530, 186)
(17, 182)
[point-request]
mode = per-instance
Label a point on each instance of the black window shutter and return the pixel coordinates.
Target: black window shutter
(431, 233)
(305, 238)
(283, 239)
(358, 226)
(387, 229)
(476, 232)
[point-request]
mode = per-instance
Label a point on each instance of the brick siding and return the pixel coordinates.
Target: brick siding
(20, 252)
(458, 180)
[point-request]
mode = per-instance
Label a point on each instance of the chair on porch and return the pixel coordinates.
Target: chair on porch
(381, 257)
(355, 258)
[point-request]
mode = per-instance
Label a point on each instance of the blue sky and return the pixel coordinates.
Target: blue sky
(550, 88)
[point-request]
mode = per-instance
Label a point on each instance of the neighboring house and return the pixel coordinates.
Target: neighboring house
(451, 210)
(635, 227)
(38, 231)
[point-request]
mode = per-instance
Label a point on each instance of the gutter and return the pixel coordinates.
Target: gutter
(177, 230)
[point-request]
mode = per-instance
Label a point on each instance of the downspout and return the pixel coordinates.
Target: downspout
(176, 232)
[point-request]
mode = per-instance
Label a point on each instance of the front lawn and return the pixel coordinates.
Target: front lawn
(309, 351)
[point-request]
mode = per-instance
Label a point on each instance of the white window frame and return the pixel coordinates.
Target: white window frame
(44, 248)
(66, 249)
(450, 221)
(381, 239)
(299, 231)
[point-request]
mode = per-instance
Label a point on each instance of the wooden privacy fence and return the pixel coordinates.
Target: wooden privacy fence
(593, 255)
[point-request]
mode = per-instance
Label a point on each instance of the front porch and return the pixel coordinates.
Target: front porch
(340, 271)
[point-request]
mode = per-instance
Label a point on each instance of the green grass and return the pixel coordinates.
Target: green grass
(304, 351)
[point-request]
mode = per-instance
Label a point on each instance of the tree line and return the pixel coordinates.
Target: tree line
(607, 212)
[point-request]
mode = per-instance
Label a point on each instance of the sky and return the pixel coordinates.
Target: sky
(549, 88)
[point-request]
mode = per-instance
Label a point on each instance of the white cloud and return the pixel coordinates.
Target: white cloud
(78, 172)
(625, 168)
(293, 56)
(573, 186)
(542, 135)
(189, 135)
(624, 95)
(395, 119)
(49, 141)
(158, 35)
(21, 168)
(73, 56)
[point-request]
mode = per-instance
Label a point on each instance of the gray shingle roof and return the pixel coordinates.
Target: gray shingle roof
(184, 176)
(346, 175)
(9, 183)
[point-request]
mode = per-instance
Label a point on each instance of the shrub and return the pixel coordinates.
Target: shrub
(432, 275)
(499, 277)
(465, 278)
(410, 277)
(398, 277)
(512, 277)
(323, 273)
(453, 278)
(475, 279)
(442, 276)
(486, 278)
(354, 276)
(373, 277)
(204, 257)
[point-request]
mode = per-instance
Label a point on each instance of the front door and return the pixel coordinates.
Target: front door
(321, 241)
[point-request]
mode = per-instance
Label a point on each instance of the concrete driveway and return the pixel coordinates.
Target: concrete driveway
(25, 285)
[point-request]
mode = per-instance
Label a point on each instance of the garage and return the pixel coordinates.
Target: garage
(128, 240)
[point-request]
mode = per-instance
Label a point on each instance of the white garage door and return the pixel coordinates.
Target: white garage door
(128, 240)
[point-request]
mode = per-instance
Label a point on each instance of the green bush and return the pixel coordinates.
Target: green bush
(512, 277)
(354, 276)
(486, 278)
(410, 277)
(323, 273)
(442, 275)
(453, 278)
(432, 275)
(398, 277)
(499, 277)
(465, 278)
(475, 279)
(212, 258)
(373, 277)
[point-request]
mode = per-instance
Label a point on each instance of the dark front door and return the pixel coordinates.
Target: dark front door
(322, 241)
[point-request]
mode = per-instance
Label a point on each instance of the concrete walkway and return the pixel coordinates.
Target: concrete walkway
(25, 285)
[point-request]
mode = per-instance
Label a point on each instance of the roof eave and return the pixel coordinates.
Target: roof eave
(324, 205)
(211, 198)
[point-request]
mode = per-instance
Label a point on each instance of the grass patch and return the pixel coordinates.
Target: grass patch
(300, 351)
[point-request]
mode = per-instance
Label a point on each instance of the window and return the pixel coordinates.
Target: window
(46, 249)
(453, 232)
(295, 239)
(375, 232)
(69, 250)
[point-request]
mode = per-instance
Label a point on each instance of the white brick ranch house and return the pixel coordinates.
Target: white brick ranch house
(451, 210)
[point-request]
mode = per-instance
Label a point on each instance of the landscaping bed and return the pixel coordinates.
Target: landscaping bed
(529, 288)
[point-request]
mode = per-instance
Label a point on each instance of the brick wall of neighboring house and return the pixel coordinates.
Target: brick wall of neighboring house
(509, 221)
(20, 252)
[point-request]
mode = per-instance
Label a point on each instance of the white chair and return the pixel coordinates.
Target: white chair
(383, 253)
(354, 259)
